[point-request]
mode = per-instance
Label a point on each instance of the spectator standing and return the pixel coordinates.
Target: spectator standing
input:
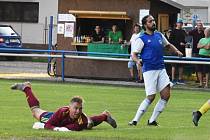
(131, 63)
(196, 34)
(204, 52)
(167, 33)
(177, 38)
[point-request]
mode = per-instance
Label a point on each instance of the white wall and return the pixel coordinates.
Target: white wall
(198, 3)
(35, 32)
(209, 11)
(197, 7)
(201, 13)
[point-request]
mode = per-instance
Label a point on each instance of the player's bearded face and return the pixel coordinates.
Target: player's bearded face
(151, 25)
(75, 110)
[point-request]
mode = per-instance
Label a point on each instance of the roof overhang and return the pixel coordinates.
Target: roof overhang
(100, 14)
(175, 4)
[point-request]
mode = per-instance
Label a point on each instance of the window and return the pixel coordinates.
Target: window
(7, 31)
(19, 11)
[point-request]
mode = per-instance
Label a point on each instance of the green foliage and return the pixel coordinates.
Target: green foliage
(175, 122)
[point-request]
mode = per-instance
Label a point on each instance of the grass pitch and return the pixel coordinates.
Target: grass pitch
(175, 122)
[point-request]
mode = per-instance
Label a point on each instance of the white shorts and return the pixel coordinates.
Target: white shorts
(155, 81)
(131, 64)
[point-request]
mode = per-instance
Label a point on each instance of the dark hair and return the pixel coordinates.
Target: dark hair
(76, 99)
(136, 25)
(144, 21)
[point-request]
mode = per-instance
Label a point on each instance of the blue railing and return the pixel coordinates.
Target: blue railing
(63, 53)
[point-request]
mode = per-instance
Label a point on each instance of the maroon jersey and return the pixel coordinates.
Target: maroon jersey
(61, 118)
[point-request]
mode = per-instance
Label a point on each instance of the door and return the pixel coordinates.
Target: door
(163, 22)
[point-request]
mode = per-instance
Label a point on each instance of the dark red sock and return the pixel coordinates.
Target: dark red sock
(98, 119)
(31, 99)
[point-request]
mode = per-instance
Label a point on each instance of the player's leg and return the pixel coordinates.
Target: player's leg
(181, 70)
(207, 80)
(33, 102)
(197, 115)
(173, 72)
(149, 77)
(140, 76)
(105, 116)
(200, 75)
(164, 87)
(130, 67)
(206, 70)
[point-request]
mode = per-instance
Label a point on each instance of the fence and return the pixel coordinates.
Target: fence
(76, 54)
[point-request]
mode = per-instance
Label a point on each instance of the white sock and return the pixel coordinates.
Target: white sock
(161, 104)
(142, 108)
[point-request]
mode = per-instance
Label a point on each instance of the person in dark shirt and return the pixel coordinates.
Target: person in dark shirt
(177, 38)
(67, 118)
(197, 34)
(98, 36)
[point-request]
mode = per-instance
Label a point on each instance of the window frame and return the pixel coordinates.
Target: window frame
(19, 12)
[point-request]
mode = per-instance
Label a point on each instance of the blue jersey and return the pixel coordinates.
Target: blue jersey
(151, 48)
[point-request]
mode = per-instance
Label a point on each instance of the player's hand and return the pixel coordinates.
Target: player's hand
(138, 62)
(63, 129)
(38, 125)
(180, 54)
(90, 124)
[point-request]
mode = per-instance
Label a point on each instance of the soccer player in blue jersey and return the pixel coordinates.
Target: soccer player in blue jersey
(150, 45)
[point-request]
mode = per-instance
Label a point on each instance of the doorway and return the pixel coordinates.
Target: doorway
(163, 22)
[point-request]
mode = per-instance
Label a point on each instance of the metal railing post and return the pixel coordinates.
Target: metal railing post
(63, 66)
(50, 36)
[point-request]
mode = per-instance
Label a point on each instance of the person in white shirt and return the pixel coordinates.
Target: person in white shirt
(131, 63)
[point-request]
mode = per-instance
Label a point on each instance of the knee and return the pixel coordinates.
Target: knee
(33, 114)
(165, 96)
(151, 97)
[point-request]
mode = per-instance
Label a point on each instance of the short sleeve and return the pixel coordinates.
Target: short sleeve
(165, 41)
(201, 41)
(137, 46)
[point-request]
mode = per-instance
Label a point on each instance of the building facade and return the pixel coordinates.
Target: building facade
(30, 18)
(199, 9)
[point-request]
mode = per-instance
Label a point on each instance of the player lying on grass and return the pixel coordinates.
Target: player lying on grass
(66, 118)
(197, 114)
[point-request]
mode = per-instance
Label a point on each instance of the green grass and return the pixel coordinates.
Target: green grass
(175, 122)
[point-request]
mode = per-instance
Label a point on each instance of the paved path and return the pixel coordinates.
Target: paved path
(22, 67)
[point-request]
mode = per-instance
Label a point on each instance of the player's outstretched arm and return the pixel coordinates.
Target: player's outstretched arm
(174, 49)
